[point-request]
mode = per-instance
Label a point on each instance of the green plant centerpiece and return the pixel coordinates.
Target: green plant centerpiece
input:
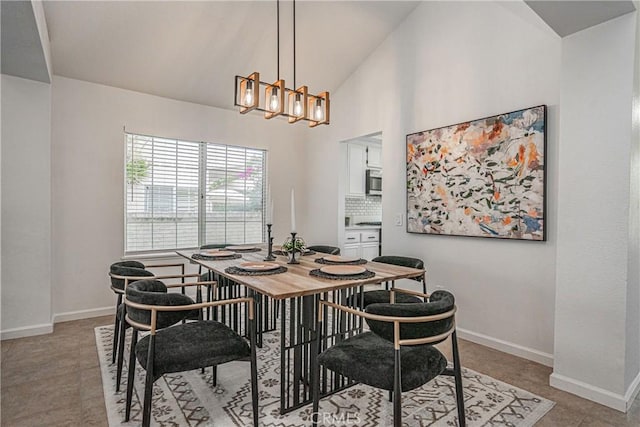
(288, 247)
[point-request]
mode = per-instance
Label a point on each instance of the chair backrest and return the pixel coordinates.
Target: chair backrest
(131, 263)
(439, 302)
(154, 292)
(400, 260)
(127, 269)
(332, 250)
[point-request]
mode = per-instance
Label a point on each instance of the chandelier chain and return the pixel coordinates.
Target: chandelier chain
(294, 45)
(278, 29)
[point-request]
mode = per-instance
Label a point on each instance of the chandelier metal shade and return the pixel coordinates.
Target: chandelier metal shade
(278, 100)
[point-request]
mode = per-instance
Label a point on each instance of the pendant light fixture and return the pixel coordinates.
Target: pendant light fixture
(294, 104)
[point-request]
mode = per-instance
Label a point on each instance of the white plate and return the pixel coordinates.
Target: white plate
(216, 252)
(343, 270)
(337, 258)
(258, 266)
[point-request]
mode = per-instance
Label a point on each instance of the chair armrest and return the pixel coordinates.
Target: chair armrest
(156, 308)
(175, 276)
(169, 276)
(128, 279)
(164, 265)
(184, 285)
(396, 320)
(389, 319)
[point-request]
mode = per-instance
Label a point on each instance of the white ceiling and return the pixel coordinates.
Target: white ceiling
(191, 51)
(22, 52)
(568, 17)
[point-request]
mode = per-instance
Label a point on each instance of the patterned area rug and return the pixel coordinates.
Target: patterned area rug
(190, 399)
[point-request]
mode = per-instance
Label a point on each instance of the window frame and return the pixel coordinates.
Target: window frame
(203, 174)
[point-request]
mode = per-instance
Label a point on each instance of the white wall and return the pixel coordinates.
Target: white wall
(88, 179)
(596, 236)
(633, 292)
(26, 207)
(449, 62)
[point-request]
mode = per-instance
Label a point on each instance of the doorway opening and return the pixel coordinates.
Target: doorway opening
(360, 206)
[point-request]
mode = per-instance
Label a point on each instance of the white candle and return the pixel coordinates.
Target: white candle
(269, 205)
(270, 210)
(293, 211)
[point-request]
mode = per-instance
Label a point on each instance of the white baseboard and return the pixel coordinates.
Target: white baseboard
(507, 347)
(632, 391)
(83, 314)
(591, 392)
(26, 331)
(47, 328)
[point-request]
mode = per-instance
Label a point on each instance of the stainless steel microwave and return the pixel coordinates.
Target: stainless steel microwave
(373, 182)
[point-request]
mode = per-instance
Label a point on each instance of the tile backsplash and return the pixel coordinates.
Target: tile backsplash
(369, 207)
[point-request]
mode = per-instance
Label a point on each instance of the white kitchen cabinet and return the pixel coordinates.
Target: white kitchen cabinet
(356, 154)
(360, 157)
(374, 156)
(361, 243)
(352, 237)
(369, 236)
(369, 250)
(351, 251)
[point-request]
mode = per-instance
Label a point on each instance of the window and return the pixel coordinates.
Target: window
(183, 194)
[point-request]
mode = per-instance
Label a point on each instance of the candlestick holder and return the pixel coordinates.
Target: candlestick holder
(269, 256)
(292, 258)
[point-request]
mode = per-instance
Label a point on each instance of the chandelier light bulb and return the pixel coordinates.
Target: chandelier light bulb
(248, 94)
(318, 113)
(274, 100)
(297, 106)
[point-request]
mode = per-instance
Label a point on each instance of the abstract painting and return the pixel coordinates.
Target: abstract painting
(483, 178)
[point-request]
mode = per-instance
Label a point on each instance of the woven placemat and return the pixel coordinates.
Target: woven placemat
(356, 262)
(366, 275)
(215, 258)
(244, 250)
(241, 272)
(277, 252)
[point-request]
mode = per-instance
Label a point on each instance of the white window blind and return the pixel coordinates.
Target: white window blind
(183, 194)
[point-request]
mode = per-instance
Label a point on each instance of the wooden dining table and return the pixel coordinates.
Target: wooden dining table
(296, 294)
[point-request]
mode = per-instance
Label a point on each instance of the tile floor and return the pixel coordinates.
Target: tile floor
(54, 380)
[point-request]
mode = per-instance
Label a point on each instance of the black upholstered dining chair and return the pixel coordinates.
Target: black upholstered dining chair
(183, 346)
(383, 295)
(122, 274)
(331, 250)
(398, 353)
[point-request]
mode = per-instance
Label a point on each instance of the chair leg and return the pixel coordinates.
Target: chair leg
(424, 283)
(215, 375)
(254, 371)
(131, 373)
(148, 384)
(316, 377)
(397, 391)
(122, 333)
(457, 374)
(116, 330)
(390, 395)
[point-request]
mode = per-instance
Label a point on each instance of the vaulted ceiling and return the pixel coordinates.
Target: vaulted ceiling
(191, 51)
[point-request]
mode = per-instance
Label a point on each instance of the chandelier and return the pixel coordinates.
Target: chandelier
(294, 104)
